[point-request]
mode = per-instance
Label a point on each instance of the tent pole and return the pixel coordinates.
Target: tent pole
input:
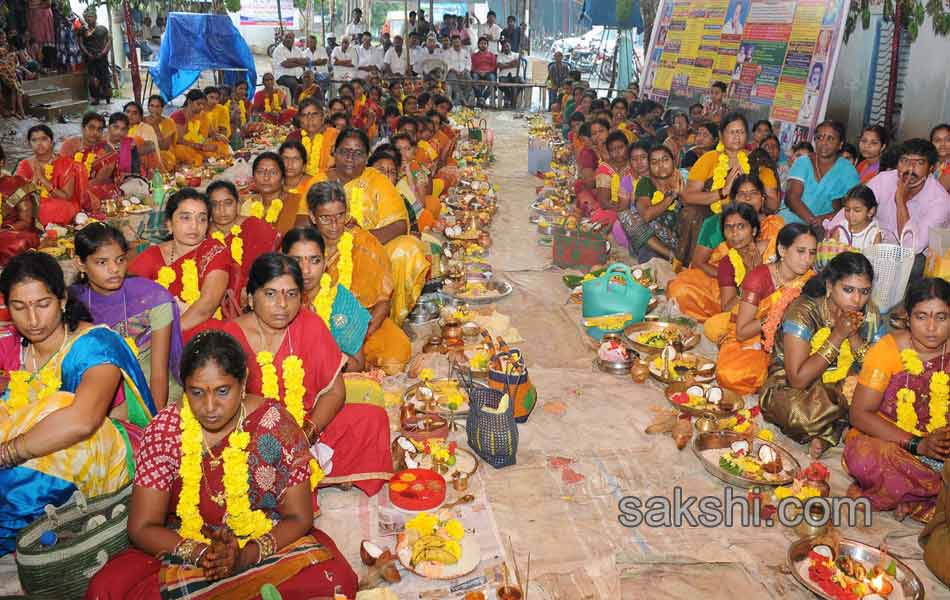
(309, 18)
(323, 20)
(405, 36)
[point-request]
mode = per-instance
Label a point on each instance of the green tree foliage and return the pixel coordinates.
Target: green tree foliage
(912, 15)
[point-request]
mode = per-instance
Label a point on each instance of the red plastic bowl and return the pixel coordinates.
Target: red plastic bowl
(425, 492)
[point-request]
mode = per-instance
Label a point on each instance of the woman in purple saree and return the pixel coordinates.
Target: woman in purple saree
(140, 310)
(899, 437)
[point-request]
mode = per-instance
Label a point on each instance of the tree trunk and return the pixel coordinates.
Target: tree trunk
(648, 11)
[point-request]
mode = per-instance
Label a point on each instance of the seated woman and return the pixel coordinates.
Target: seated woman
(246, 238)
(270, 200)
(607, 180)
(272, 104)
(138, 309)
(414, 183)
(194, 139)
(649, 223)
(695, 289)
(378, 208)
(350, 441)
(18, 211)
(60, 181)
(356, 260)
(746, 333)
(118, 160)
(706, 138)
(192, 266)
(593, 138)
(66, 378)
(826, 333)
(897, 443)
(145, 137)
(316, 136)
(165, 131)
(188, 540)
(387, 160)
(340, 310)
(296, 179)
(711, 178)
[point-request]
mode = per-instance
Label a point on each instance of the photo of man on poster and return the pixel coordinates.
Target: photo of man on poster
(814, 76)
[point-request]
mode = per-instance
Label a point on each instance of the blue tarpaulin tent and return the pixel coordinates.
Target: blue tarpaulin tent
(604, 12)
(194, 43)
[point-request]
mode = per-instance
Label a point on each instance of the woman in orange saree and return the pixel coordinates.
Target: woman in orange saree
(415, 183)
(897, 444)
(146, 139)
(270, 201)
(193, 267)
(746, 339)
(695, 289)
(296, 179)
(379, 209)
(195, 140)
(165, 131)
(60, 181)
(356, 259)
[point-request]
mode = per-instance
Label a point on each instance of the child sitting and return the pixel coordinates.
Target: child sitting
(859, 207)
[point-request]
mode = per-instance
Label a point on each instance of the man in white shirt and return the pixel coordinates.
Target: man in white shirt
(370, 59)
(427, 59)
(355, 28)
(345, 61)
(394, 63)
(416, 53)
(508, 65)
(459, 62)
(491, 30)
(318, 62)
(287, 64)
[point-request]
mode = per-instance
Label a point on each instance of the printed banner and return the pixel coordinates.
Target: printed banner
(263, 13)
(776, 57)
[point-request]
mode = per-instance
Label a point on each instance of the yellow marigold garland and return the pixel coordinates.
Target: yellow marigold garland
(269, 387)
(166, 277)
(428, 149)
(273, 211)
(237, 244)
(314, 148)
(194, 133)
(247, 524)
(939, 390)
(190, 291)
(737, 265)
(615, 188)
(323, 301)
(257, 209)
(721, 172)
(48, 174)
(345, 266)
(845, 357)
(658, 197)
(86, 159)
(45, 383)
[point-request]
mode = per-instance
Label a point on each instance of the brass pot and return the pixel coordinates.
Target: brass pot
(639, 371)
(433, 344)
(452, 330)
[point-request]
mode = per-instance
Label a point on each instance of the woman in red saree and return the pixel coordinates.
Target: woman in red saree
(272, 103)
(60, 181)
(898, 441)
(747, 333)
(193, 267)
(218, 551)
(145, 137)
(588, 160)
(350, 441)
(245, 238)
(19, 232)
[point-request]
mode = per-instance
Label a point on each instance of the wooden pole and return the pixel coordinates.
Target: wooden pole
(323, 20)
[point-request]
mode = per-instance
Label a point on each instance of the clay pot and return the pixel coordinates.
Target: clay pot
(639, 371)
(433, 344)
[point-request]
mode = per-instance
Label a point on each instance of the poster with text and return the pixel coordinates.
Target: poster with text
(263, 13)
(776, 57)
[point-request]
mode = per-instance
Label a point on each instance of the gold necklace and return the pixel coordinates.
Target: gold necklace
(215, 461)
(36, 358)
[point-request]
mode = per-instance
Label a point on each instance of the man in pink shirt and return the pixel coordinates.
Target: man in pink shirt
(484, 67)
(909, 197)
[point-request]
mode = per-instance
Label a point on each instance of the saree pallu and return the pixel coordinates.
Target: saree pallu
(326, 149)
(258, 237)
(348, 321)
(19, 233)
(819, 410)
(695, 292)
(187, 154)
(166, 129)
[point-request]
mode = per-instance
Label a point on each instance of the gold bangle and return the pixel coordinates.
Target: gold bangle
(861, 352)
(828, 352)
(185, 549)
(267, 545)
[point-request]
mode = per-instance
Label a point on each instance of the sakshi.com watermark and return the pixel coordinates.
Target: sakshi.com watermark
(737, 509)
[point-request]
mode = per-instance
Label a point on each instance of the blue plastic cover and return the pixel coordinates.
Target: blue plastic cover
(604, 12)
(194, 43)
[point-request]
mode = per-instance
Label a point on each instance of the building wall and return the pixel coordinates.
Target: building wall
(926, 90)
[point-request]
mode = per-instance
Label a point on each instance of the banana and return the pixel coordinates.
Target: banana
(434, 548)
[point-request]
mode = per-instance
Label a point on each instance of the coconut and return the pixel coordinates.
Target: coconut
(767, 454)
(739, 446)
(369, 552)
(714, 395)
(695, 390)
(637, 273)
(823, 550)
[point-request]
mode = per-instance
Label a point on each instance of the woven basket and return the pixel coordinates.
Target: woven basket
(63, 571)
(490, 425)
(892, 264)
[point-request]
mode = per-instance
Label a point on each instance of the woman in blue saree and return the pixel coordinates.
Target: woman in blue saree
(76, 402)
(348, 320)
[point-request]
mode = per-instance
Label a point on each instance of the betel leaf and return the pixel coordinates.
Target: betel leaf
(891, 569)
(728, 466)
